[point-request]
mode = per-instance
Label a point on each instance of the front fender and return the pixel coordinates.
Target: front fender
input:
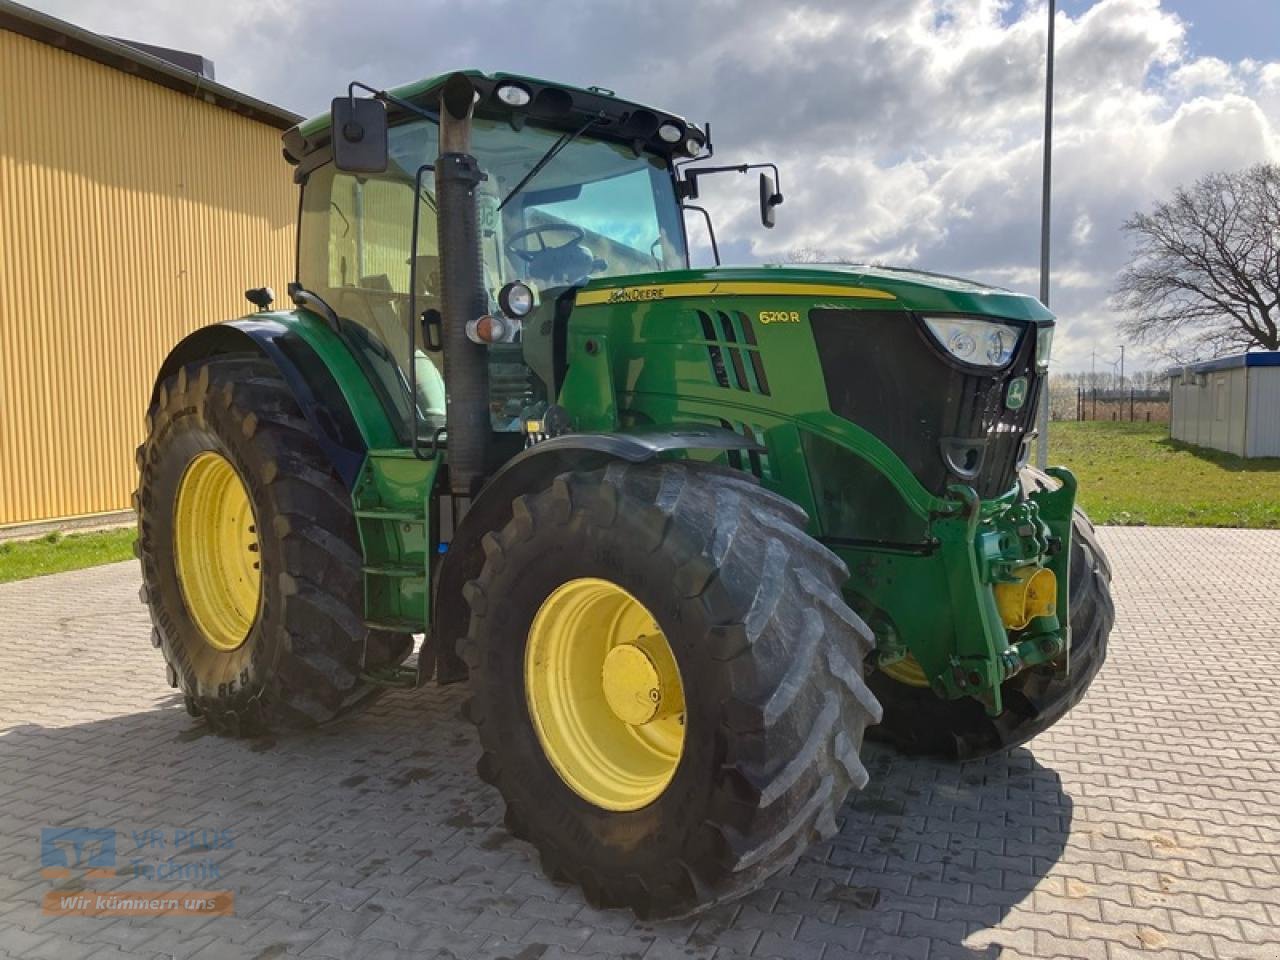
(533, 470)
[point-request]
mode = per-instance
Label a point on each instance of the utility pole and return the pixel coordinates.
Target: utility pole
(1042, 448)
(1122, 366)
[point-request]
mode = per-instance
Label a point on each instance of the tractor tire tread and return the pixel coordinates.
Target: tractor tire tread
(790, 725)
(320, 635)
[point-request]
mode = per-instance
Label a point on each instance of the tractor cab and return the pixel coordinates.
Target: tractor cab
(576, 185)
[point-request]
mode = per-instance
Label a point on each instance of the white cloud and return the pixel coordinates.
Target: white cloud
(908, 131)
(1208, 76)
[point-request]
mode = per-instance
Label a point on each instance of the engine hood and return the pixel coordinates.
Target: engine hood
(881, 287)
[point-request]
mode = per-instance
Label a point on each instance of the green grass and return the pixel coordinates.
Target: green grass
(1132, 474)
(55, 552)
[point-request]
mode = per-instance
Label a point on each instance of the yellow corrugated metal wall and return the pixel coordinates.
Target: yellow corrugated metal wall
(130, 214)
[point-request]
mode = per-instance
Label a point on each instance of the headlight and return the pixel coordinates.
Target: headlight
(670, 133)
(516, 299)
(983, 343)
(1044, 345)
(513, 95)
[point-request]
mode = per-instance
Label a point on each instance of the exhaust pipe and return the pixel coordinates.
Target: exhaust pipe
(462, 294)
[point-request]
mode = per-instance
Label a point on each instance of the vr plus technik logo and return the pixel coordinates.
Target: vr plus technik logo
(89, 853)
(63, 849)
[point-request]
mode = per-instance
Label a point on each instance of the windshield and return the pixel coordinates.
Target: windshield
(597, 209)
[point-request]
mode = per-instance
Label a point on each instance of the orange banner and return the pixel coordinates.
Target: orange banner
(172, 903)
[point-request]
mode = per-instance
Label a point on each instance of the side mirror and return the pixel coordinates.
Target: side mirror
(358, 128)
(260, 297)
(769, 198)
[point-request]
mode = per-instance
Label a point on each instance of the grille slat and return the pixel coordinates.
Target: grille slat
(714, 353)
(757, 462)
(757, 366)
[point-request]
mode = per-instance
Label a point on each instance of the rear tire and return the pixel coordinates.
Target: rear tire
(916, 721)
(300, 662)
(769, 657)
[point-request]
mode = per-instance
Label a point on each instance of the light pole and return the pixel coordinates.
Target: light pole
(1042, 448)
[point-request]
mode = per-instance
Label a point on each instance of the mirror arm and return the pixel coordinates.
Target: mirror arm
(414, 319)
(390, 98)
(711, 230)
(688, 188)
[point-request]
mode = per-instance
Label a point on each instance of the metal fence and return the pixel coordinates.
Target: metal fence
(1151, 406)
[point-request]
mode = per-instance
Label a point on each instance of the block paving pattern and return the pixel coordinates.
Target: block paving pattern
(1146, 824)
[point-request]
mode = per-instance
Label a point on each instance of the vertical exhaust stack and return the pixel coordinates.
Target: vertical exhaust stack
(462, 293)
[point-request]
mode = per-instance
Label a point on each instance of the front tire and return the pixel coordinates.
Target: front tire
(768, 658)
(250, 563)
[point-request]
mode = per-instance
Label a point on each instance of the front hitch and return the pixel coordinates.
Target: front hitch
(1007, 578)
(1057, 512)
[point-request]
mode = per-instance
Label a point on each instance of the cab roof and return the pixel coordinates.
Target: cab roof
(557, 105)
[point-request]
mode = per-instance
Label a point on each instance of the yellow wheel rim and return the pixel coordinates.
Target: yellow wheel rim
(907, 670)
(216, 550)
(605, 694)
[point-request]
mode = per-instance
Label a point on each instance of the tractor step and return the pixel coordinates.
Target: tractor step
(393, 570)
(397, 516)
(390, 500)
(396, 626)
(399, 676)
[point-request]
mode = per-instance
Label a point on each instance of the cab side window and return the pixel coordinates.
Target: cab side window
(354, 243)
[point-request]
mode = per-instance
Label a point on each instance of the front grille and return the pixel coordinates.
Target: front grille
(947, 424)
(732, 351)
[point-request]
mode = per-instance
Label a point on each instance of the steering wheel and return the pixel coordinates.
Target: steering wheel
(514, 248)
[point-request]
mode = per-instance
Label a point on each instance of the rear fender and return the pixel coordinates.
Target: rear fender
(343, 431)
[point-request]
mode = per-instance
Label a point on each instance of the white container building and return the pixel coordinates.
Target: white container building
(1231, 404)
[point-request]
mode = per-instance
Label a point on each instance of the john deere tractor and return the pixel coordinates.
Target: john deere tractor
(685, 533)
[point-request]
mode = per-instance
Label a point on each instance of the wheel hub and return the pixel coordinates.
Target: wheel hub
(639, 683)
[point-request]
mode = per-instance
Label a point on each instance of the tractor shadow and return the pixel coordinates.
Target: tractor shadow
(375, 828)
(1220, 458)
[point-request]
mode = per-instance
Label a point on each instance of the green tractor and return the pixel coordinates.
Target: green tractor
(686, 533)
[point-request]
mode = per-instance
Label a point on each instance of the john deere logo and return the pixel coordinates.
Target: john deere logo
(1016, 395)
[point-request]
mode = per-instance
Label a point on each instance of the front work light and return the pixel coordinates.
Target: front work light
(516, 299)
(670, 133)
(982, 343)
(1044, 345)
(513, 95)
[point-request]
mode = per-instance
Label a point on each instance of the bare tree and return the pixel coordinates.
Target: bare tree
(816, 255)
(1204, 274)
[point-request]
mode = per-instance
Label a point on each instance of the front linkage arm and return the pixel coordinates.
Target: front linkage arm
(989, 558)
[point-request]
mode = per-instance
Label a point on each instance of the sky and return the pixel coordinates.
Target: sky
(908, 132)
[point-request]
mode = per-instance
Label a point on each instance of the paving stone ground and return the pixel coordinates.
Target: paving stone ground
(1147, 823)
